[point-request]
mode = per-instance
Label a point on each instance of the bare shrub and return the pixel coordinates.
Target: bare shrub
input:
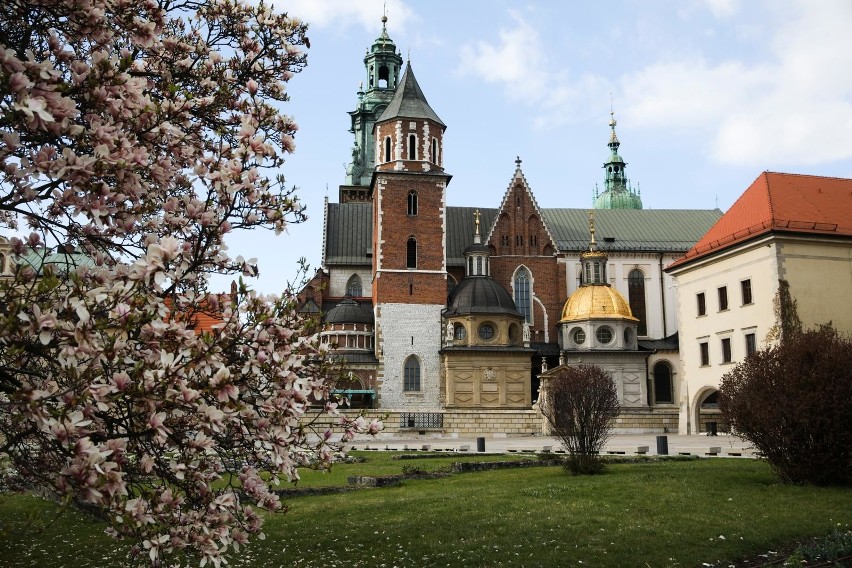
(580, 404)
(793, 401)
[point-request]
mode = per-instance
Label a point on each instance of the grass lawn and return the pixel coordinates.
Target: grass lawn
(674, 513)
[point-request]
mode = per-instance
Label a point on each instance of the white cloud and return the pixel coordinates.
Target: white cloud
(795, 108)
(343, 13)
(516, 61)
(722, 8)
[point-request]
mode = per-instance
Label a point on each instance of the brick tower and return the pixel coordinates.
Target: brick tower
(408, 193)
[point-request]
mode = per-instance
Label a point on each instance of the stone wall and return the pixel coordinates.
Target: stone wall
(404, 330)
(510, 423)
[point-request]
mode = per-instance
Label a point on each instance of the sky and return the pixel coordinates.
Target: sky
(707, 94)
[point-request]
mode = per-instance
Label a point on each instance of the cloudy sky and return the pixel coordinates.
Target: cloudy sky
(707, 95)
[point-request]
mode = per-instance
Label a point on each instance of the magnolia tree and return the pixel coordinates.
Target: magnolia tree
(138, 134)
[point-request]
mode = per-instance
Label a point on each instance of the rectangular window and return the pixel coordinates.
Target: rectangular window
(751, 344)
(746, 288)
(702, 305)
(726, 350)
(705, 353)
(723, 298)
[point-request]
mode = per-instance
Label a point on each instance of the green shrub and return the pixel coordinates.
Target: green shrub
(836, 546)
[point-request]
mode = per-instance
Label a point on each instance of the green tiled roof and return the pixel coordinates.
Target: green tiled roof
(350, 230)
(62, 261)
(653, 230)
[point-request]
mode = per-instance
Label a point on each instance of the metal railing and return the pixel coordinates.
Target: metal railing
(421, 420)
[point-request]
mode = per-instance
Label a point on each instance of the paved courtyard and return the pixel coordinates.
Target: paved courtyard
(723, 445)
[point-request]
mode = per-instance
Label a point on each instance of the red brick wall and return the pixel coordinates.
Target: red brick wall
(411, 163)
(519, 238)
(427, 227)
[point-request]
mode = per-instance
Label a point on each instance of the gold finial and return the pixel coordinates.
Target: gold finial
(476, 216)
(612, 122)
(592, 243)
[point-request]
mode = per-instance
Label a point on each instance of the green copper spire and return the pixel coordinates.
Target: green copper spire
(617, 193)
(383, 64)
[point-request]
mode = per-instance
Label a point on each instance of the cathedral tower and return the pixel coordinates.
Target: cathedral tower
(409, 247)
(383, 65)
(617, 192)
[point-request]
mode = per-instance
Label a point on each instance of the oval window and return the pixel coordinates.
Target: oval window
(486, 331)
(579, 336)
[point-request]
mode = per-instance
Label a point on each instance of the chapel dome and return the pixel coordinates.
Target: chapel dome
(480, 295)
(591, 302)
(348, 311)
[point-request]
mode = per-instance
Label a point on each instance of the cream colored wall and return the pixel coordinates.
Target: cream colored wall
(756, 262)
(487, 380)
(820, 276)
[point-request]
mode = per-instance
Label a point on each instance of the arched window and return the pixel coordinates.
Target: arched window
(384, 77)
(2, 263)
(479, 266)
(663, 391)
(636, 297)
(387, 149)
(434, 150)
(412, 202)
(411, 253)
(523, 293)
(412, 374)
(353, 286)
(412, 147)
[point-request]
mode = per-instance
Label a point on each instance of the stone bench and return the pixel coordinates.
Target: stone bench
(464, 448)
(642, 450)
(714, 451)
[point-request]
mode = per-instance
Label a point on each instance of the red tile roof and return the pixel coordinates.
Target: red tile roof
(783, 203)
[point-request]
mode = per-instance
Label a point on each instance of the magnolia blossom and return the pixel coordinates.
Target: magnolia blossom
(135, 136)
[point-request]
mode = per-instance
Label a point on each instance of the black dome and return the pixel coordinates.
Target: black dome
(480, 295)
(477, 247)
(348, 311)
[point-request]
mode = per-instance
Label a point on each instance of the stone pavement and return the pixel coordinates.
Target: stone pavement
(723, 445)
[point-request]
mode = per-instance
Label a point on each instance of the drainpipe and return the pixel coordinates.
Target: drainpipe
(663, 297)
(648, 379)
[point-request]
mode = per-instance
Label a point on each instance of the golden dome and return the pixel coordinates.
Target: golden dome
(596, 302)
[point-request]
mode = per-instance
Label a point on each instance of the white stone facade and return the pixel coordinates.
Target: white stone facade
(756, 264)
(339, 279)
(403, 330)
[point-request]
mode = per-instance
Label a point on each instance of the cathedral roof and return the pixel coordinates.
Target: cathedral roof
(783, 203)
(409, 101)
(594, 302)
(349, 230)
(480, 295)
